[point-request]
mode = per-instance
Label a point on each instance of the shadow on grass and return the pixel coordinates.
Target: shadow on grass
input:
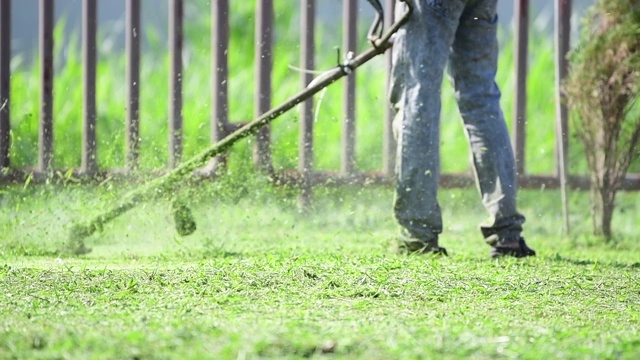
(211, 251)
(218, 254)
(615, 264)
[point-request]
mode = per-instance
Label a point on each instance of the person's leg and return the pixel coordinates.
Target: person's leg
(473, 66)
(420, 52)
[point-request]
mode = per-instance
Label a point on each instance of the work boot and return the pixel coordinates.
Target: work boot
(515, 247)
(417, 246)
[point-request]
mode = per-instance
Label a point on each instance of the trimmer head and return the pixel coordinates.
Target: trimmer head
(75, 243)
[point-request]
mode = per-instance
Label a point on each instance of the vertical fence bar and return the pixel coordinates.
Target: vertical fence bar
(307, 53)
(521, 21)
(263, 64)
(45, 148)
(176, 10)
(350, 29)
(388, 141)
(562, 35)
(132, 49)
(219, 73)
(89, 24)
(5, 82)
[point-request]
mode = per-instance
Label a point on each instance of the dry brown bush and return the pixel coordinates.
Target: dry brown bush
(602, 91)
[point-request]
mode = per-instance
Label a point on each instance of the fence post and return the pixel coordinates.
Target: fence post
(5, 82)
(350, 28)
(307, 53)
(176, 8)
(219, 76)
(263, 67)
(89, 152)
(45, 148)
(132, 49)
(521, 21)
(388, 141)
(562, 35)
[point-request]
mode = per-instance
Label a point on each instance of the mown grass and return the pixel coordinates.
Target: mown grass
(260, 280)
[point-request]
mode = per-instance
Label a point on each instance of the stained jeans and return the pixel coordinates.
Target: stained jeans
(461, 33)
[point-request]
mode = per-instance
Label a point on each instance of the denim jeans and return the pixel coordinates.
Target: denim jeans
(462, 34)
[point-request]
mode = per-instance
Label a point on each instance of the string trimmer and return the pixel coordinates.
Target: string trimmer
(185, 225)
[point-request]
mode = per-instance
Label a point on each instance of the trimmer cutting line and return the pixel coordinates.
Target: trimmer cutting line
(185, 224)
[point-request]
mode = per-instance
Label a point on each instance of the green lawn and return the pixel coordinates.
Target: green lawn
(260, 280)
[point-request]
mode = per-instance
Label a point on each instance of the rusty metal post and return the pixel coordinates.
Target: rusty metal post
(5, 82)
(562, 35)
(350, 29)
(263, 66)
(45, 146)
(176, 10)
(388, 140)
(521, 44)
(219, 73)
(89, 24)
(307, 53)
(132, 48)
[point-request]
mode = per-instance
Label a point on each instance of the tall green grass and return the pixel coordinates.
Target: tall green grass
(371, 99)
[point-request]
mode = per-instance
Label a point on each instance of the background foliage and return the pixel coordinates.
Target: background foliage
(371, 99)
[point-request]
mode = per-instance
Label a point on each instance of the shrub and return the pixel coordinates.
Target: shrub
(602, 91)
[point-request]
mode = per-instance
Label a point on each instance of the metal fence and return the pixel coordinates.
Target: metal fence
(220, 123)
